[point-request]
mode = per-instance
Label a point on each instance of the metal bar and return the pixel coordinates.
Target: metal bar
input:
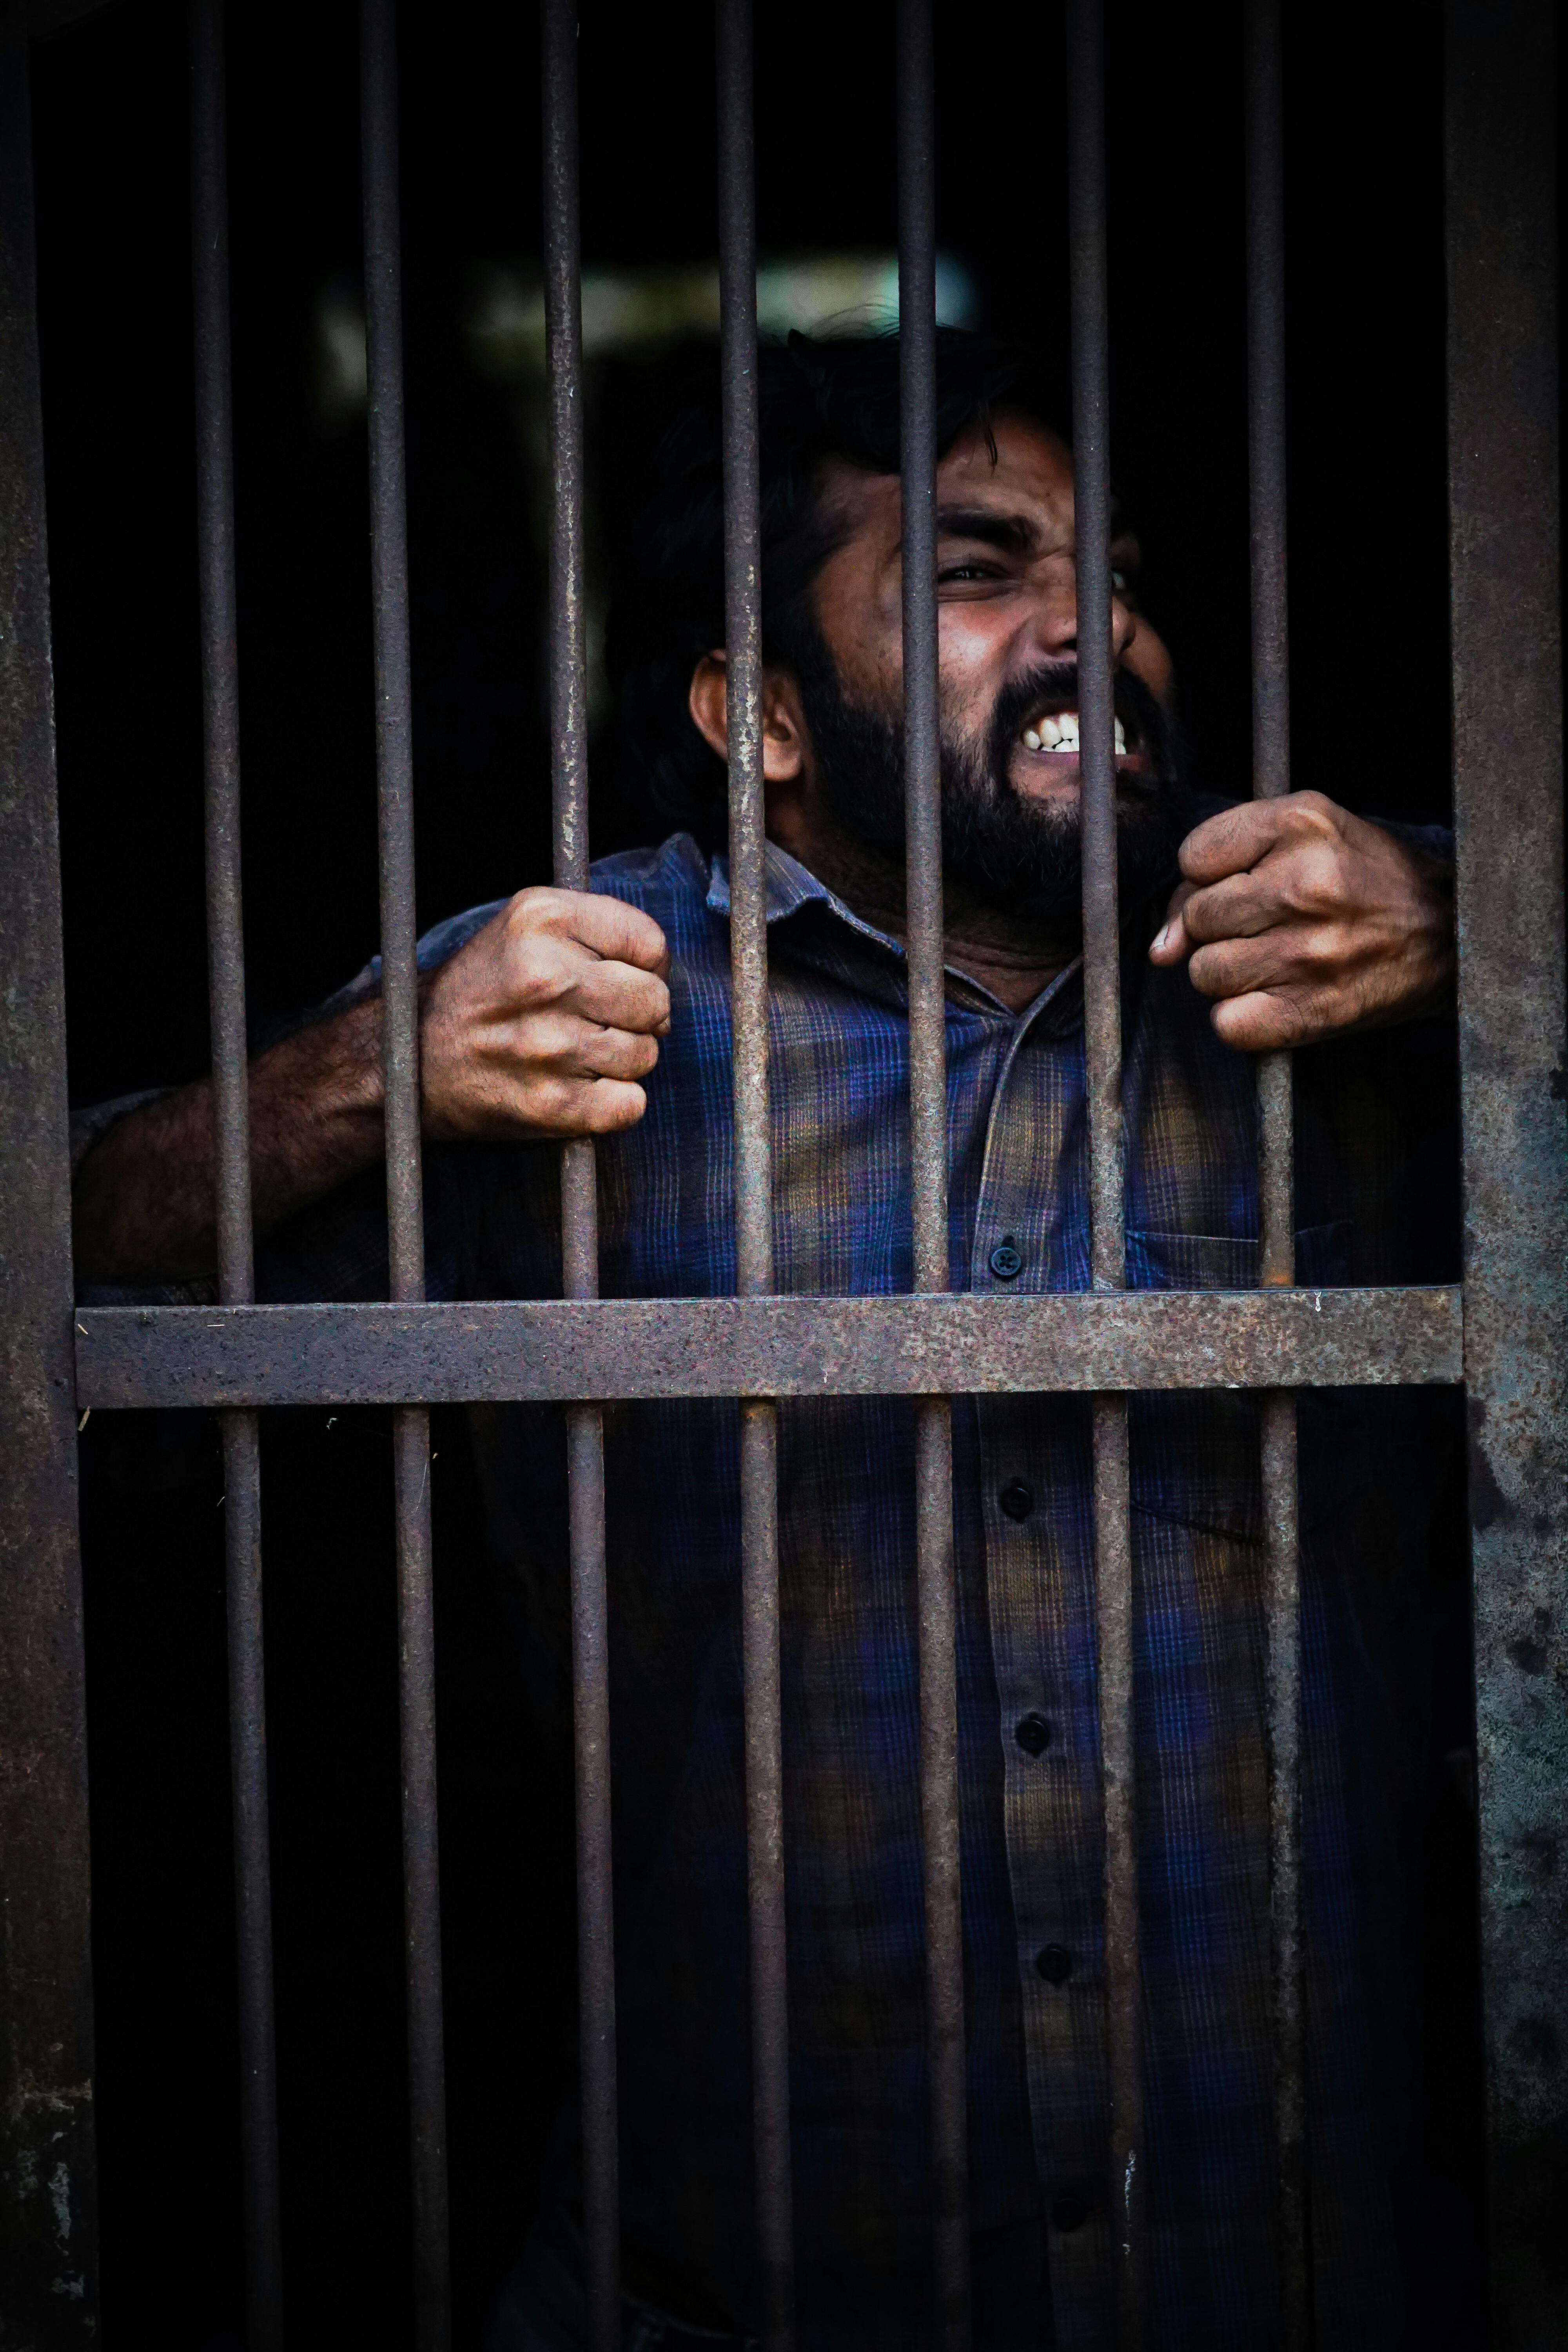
(1271, 778)
(1096, 664)
(1282, 1614)
(936, 1602)
(1271, 639)
(236, 1278)
(566, 1350)
(579, 1192)
(1102, 1061)
(47, 2166)
(1503, 421)
(220, 659)
(400, 1003)
(754, 1169)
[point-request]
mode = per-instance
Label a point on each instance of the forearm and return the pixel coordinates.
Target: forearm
(146, 1197)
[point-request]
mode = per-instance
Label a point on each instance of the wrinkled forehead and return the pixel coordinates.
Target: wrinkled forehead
(1020, 467)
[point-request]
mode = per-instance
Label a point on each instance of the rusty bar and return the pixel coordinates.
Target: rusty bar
(579, 1191)
(46, 2171)
(567, 1350)
(237, 1281)
(1503, 488)
(1270, 638)
(1282, 1611)
(941, 1826)
(400, 1001)
(753, 1168)
(927, 1112)
(922, 745)
(220, 660)
(1096, 669)
(1271, 778)
(743, 651)
(1102, 1069)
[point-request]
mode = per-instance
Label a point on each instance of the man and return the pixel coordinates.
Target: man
(553, 1014)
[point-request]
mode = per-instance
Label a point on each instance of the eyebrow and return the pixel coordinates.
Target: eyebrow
(1014, 533)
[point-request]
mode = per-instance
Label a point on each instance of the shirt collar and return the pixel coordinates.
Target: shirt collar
(788, 886)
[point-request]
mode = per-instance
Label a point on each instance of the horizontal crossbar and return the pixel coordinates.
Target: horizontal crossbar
(566, 1349)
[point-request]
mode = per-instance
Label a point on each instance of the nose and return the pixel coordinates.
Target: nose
(1055, 626)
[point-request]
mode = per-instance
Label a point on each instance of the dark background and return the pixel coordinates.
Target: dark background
(1368, 616)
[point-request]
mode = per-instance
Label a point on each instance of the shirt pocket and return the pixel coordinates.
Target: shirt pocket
(1195, 1453)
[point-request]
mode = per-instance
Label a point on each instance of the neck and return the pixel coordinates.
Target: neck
(1003, 952)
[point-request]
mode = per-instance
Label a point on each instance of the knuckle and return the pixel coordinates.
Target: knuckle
(528, 910)
(615, 1104)
(1313, 814)
(544, 972)
(1206, 969)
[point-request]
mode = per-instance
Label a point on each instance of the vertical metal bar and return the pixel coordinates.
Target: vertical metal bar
(579, 1192)
(1503, 487)
(1272, 777)
(1102, 1061)
(406, 1225)
(754, 1166)
(928, 1111)
(237, 1276)
(46, 2175)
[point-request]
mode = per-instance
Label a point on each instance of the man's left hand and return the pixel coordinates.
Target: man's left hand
(1302, 921)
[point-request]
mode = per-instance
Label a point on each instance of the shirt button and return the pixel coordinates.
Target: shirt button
(1054, 1963)
(1016, 1498)
(1069, 2211)
(1007, 1262)
(1032, 1735)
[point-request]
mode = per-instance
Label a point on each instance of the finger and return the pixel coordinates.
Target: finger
(1235, 967)
(605, 1107)
(610, 929)
(617, 996)
(563, 1108)
(1236, 908)
(1237, 837)
(1170, 942)
(610, 1052)
(1265, 1021)
(546, 1048)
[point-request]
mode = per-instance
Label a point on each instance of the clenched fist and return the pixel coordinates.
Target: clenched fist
(1302, 921)
(546, 1020)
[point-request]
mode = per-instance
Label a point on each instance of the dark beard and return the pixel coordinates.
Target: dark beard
(1000, 850)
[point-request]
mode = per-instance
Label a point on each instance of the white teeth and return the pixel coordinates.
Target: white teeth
(1060, 734)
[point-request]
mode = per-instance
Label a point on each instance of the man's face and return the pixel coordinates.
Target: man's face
(1007, 622)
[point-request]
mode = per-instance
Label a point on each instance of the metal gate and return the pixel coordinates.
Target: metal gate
(1503, 1334)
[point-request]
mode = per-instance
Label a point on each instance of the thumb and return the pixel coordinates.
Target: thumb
(1171, 944)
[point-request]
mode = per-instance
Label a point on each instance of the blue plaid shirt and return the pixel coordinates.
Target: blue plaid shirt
(1374, 1191)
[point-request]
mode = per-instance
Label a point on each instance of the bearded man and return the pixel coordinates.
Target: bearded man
(553, 1014)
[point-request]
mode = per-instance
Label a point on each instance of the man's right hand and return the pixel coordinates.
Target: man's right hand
(546, 1020)
(542, 1025)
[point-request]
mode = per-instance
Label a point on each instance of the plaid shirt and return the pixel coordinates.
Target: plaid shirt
(1374, 1199)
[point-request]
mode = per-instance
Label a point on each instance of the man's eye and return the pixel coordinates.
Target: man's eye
(967, 571)
(1118, 583)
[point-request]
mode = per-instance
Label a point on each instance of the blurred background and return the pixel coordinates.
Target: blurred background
(1370, 714)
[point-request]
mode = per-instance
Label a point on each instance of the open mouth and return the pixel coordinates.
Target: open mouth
(1053, 734)
(1058, 732)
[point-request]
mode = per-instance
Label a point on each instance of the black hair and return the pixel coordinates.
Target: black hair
(818, 399)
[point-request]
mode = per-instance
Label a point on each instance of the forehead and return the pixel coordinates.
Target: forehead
(1029, 476)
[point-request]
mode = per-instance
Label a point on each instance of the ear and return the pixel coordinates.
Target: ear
(784, 729)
